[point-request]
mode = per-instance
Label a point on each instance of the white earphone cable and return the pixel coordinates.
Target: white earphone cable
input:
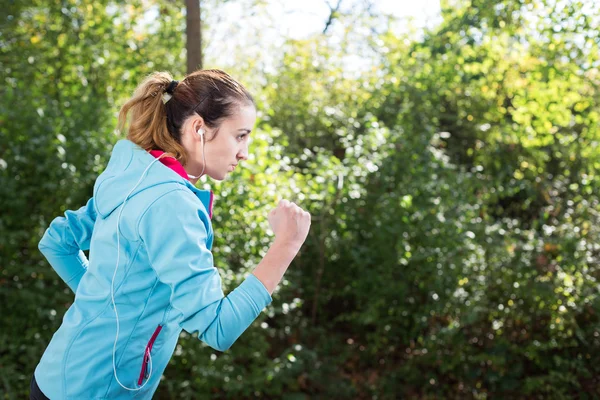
(203, 156)
(112, 287)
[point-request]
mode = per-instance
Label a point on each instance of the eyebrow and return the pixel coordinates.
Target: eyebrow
(245, 130)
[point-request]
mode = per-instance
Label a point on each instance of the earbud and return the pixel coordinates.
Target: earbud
(200, 132)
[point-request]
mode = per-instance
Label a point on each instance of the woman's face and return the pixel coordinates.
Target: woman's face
(223, 152)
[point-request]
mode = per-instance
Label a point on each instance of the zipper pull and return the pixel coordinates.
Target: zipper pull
(147, 374)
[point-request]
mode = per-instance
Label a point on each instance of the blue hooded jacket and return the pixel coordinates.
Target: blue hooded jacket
(165, 282)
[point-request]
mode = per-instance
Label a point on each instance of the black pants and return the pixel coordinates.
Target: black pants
(34, 391)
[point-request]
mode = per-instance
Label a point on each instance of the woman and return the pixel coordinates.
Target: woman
(148, 230)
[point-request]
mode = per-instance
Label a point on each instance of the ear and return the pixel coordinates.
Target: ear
(192, 124)
(197, 122)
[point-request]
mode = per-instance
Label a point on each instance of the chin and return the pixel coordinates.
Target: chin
(218, 177)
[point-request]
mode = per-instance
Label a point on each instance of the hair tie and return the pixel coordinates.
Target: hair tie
(169, 91)
(171, 87)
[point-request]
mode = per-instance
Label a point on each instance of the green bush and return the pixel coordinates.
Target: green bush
(453, 187)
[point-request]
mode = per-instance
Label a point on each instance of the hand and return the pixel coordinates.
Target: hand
(290, 223)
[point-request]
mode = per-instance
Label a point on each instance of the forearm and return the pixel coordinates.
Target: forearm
(271, 269)
(70, 267)
(237, 311)
(234, 313)
(64, 241)
(69, 263)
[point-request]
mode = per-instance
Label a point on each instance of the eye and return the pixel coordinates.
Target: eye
(242, 136)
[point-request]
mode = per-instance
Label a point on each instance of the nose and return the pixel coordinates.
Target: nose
(243, 153)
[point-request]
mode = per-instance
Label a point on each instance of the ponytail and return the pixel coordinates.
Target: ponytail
(148, 122)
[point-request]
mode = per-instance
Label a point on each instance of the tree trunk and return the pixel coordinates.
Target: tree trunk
(193, 31)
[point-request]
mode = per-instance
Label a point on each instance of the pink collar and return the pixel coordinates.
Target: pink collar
(171, 163)
(178, 168)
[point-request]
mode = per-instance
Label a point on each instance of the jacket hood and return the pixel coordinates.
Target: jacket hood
(125, 168)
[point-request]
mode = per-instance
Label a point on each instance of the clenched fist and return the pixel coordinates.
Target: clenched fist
(290, 223)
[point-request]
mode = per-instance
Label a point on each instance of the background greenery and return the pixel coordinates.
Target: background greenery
(453, 183)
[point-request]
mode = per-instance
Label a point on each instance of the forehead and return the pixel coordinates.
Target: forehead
(244, 115)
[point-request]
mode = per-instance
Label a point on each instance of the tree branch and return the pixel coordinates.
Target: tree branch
(333, 12)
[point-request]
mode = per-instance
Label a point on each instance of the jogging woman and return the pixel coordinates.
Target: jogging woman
(148, 230)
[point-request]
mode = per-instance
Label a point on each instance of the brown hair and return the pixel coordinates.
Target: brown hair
(154, 125)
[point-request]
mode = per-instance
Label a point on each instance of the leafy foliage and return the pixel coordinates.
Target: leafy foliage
(453, 186)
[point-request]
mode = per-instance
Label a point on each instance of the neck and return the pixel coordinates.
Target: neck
(192, 176)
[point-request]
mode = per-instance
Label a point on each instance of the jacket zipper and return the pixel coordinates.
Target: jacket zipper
(145, 372)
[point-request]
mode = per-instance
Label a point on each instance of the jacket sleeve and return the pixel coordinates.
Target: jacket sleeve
(64, 241)
(175, 232)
